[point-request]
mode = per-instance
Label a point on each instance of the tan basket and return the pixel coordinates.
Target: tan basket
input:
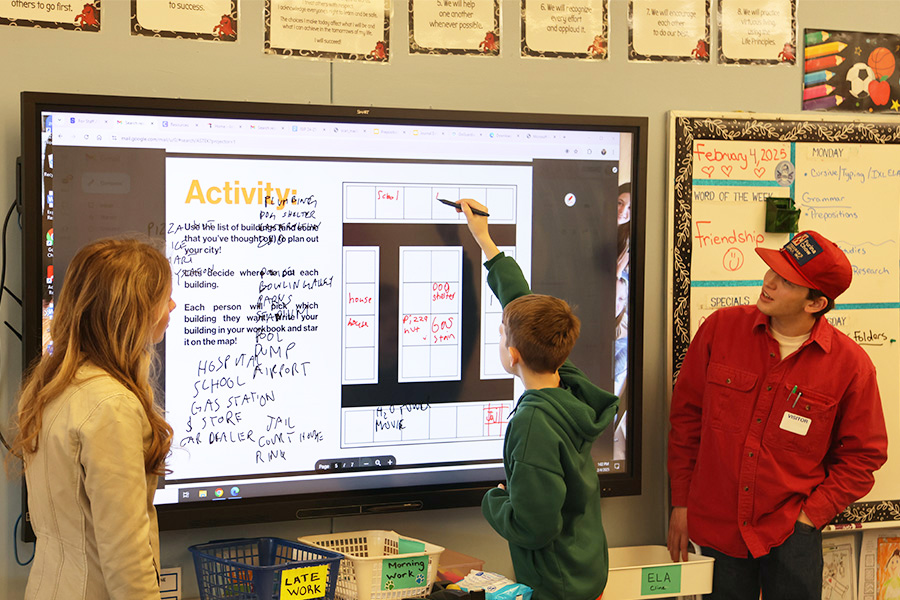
(360, 577)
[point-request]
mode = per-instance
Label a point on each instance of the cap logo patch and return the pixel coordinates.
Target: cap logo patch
(802, 249)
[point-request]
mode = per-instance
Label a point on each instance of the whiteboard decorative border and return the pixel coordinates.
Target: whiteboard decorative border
(686, 129)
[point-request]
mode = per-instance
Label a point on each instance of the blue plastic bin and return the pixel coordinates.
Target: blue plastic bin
(252, 568)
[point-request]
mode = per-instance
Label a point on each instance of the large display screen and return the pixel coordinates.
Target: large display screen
(335, 346)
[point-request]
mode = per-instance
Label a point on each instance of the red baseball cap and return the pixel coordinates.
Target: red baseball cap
(812, 261)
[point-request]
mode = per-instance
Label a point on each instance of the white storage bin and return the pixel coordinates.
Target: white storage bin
(365, 572)
(648, 572)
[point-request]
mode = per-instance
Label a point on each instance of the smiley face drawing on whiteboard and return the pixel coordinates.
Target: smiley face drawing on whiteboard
(784, 173)
(733, 259)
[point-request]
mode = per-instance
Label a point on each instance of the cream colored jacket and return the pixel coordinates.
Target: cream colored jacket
(90, 501)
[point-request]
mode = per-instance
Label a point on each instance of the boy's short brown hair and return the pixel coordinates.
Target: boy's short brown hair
(543, 329)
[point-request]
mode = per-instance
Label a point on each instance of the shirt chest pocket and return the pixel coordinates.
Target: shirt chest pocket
(728, 399)
(801, 422)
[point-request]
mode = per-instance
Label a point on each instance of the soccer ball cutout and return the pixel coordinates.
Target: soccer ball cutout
(859, 76)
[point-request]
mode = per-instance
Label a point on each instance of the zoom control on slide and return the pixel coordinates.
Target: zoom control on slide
(365, 463)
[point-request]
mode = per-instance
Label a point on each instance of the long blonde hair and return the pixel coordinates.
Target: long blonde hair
(105, 315)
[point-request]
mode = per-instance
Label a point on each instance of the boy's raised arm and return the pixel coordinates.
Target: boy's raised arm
(478, 225)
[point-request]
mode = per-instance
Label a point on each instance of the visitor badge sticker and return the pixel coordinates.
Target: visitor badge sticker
(795, 423)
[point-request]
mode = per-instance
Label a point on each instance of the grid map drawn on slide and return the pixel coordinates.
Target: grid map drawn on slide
(430, 318)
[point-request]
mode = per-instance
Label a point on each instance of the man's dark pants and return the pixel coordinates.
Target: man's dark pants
(791, 571)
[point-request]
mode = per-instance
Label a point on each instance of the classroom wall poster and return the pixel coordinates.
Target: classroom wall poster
(668, 30)
(757, 32)
(329, 29)
(839, 579)
(850, 71)
(454, 27)
(71, 15)
(214, 20)
(565, 29)
(879, 565)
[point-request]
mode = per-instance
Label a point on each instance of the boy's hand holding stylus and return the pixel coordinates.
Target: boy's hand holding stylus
(479, 227)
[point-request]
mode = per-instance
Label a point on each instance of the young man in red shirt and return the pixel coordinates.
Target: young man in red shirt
(776, 426)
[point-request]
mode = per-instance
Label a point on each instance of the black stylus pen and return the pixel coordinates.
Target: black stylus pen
(476, 211)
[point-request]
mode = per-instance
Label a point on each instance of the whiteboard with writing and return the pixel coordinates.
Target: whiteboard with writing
(262, 285)
(845, 179)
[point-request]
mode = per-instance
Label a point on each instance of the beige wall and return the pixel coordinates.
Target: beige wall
(113, 62)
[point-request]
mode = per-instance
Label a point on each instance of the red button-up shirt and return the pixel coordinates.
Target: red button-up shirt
(747, 453)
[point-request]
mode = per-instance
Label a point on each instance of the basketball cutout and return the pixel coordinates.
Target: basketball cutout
(882, 62)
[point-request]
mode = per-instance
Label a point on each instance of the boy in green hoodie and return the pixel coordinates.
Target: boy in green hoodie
(549, 509)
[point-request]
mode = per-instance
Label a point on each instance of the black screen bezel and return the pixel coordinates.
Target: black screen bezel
(318, 505)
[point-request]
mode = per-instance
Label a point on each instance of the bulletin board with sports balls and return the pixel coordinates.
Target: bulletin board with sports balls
(843, 174)
(851, 71)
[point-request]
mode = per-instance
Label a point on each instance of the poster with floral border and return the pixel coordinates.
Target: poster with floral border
(52, 14)
(214, 20)
(461, 27)
(328, 29)
(757, 32)
(850, 71)
(565, 29)
(650, 26)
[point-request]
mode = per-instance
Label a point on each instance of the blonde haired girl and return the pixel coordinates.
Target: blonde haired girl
(92, 438)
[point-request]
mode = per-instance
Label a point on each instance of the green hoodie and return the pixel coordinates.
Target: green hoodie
(550, 511)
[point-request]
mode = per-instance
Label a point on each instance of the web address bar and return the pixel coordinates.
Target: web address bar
(169, 139)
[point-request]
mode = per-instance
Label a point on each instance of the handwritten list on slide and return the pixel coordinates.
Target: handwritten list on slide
(252, 311)
(848, 192)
